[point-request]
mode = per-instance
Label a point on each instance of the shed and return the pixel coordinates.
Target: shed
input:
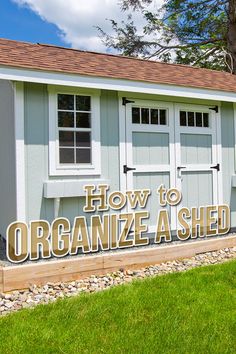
(70, 117)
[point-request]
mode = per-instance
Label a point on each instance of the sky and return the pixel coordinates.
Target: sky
(69, 23)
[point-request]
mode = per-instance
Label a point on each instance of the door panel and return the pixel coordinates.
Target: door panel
(174, 145)
(195, 156)
(197, 188)
(196, 149)
(150, 148)
(151, 180)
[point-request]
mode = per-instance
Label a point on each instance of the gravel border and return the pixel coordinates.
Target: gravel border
(16, 300)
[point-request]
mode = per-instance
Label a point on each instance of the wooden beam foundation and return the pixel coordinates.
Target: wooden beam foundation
(22, 276)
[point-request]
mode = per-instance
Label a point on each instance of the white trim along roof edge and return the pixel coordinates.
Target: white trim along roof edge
(93, 82)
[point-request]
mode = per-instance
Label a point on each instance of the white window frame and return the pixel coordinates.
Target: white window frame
(57, 169)
(146, 126)
(195, 110)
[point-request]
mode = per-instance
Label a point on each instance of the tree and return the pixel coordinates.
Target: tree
(194, 32)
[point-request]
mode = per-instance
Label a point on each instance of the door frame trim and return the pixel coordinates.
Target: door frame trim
(216, 142)
(123, 139)
(122, 145)
(124, 154)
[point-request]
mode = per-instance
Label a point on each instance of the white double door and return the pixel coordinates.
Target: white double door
(174, 145)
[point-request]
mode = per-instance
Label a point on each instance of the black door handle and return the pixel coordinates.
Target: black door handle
(127, 169)
(180, 167)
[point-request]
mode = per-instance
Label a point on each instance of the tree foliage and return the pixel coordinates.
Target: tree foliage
(194, 32)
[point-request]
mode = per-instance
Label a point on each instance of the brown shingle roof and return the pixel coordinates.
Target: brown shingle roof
(58, 59)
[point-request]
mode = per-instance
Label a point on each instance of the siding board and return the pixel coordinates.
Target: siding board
(36, 135)
(36, 140)
(7, 157)
(228, 158)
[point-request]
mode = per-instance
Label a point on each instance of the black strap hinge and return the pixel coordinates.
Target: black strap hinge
(216, 109)
(125, 101)
(216, 167)
(127, 169)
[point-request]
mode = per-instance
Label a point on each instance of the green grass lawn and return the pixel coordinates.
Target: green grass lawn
(192, 312)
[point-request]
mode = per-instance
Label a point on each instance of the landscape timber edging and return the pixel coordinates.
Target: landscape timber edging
(22, 276)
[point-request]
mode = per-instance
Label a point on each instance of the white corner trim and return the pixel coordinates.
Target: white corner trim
(123, 85)
(19, 151)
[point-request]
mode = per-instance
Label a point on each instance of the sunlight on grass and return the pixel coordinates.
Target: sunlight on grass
(192, 312)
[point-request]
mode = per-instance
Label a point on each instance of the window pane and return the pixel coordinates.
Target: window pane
(83, 120)
(83, 156)
(162, 116)
(66, 119)
(83, 103)
(154, 116)
(145, 115)
(67, 156)
(66, 102)
(183, 119)
(83, 139)
(135, 115)
(191, 119)
(206, 120)
(198, 119)
(66, 138)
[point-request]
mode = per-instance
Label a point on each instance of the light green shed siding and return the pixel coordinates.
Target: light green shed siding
(7, 157)
(110, 138)
(228, 158)
(36, 152)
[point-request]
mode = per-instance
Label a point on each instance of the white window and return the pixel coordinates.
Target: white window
(194, 119)
(153, 116)
(74, 132)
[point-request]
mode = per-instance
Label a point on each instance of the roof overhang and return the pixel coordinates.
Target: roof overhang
(93, 82)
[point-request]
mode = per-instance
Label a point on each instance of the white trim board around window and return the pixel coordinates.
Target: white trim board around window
(74, 169)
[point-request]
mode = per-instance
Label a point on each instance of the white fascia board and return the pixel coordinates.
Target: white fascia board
(74, 80)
